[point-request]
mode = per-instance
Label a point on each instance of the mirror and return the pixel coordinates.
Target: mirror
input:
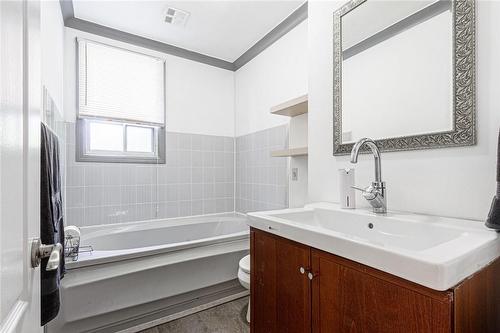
(404, 74)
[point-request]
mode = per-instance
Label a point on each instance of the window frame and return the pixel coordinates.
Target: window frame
(84, 154)
(82, 137)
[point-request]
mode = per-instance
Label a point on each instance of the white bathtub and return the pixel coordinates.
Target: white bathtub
(151, 270)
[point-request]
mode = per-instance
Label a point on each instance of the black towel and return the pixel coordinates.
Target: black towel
(493, 220)
(51, 221)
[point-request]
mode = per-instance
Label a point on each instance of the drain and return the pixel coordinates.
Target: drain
(370, 225)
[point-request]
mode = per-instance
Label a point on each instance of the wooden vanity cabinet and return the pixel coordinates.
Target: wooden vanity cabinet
(340, 295)
(282, 294)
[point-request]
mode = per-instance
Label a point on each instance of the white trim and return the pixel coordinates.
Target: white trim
(14, 318)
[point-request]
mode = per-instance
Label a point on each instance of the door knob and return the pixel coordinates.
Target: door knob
(40, 251)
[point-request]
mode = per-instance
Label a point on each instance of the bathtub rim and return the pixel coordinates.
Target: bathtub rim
(192, 219)
(110, 256)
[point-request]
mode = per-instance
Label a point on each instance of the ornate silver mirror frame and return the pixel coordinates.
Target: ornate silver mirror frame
(464, 99)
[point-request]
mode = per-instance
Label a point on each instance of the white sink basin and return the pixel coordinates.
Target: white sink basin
(433, 251)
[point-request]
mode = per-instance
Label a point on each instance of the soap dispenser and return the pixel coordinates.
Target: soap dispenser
(346, 182)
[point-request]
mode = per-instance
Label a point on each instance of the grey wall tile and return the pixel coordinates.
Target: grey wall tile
(184, 175)
(162, 193)
(172, 175)
(196, 159)
(75, 176)
(229, 144)
(196, 191)
(208, 191)
(229, 204)
(220, 190)
(209, 206)
(219, 175)
(172, 209)
(128, 195)
(172, 192)
(185, 208)
(220, 205)
(197, 178)
(184, 141)
(208, 159)
(172, 141)
(94, 196)
(111, 214)
(208, 143)
(111, 195)
(218, 143)
(75, 216)
(144, 193)
(128, 174)
(219, 159)
(93, 175)
(75, 197)
(261, 180)
(197, 175)
(197, 207)
(129, 213)
(93, 216)
(111, 175)
(208, 175)
(184, 192)
(196, 142)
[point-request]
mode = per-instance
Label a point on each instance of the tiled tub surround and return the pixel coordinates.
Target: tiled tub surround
(261, 180)
(198, 178)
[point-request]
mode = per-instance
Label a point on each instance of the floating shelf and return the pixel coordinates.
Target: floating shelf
(302, 151)
(291, 108)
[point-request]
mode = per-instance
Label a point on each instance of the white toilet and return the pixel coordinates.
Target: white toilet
(244, 277)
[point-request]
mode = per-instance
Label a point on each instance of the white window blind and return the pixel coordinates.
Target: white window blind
(120, 84)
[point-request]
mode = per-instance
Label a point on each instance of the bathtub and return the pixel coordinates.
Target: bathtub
(144, 273)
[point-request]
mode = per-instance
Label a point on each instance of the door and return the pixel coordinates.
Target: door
(280, 287)
(19, 164)
(349, 297)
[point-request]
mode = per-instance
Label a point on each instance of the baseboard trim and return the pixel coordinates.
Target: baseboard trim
(200, 301)
(185, 313)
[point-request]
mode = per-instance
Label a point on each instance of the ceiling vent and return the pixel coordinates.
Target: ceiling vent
(176, 16)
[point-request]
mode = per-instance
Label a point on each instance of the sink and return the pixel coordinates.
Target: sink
(433, 251)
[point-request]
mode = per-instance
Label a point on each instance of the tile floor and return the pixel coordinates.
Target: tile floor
(225, 318)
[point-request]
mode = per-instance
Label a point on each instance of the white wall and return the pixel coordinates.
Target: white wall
(52, 38)
(278, 74)
(457, 182)
(200, 98)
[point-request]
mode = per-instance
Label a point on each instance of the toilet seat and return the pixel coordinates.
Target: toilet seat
(245, 264)
(244, 277)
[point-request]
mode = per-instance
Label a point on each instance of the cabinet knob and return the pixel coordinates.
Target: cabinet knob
(310, 275)
(302, 270)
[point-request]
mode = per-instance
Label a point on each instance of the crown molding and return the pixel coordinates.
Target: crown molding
(70, 21)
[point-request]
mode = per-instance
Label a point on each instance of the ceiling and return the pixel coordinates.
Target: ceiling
(220, 29)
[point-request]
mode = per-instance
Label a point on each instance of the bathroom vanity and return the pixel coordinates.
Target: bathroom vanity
(320, 269)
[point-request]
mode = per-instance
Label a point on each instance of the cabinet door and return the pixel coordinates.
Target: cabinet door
(280, 293)
(349, 297)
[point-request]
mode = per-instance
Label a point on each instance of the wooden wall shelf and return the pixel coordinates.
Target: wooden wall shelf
(302, 151)
(292, 108)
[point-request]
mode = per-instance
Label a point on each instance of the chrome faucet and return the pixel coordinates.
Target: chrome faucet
(375, 194)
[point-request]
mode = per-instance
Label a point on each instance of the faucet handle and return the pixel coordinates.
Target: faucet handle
(358, 188)
(369, 193)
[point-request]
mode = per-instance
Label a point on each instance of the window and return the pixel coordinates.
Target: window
(121, 108)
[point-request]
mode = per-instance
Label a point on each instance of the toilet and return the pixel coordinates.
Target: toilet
(244, 277)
